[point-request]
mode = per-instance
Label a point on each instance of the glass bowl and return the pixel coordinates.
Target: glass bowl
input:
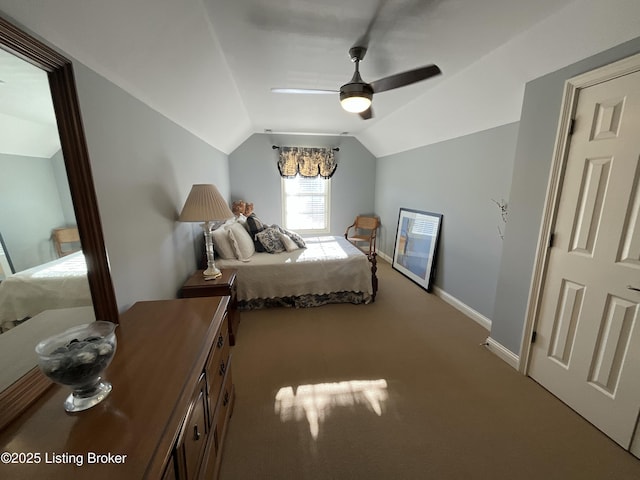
(76, 358)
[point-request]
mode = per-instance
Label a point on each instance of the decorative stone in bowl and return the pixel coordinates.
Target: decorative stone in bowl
(76, 358)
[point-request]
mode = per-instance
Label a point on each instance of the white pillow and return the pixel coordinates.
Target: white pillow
(241, 241)
(288, 243)
(222, 244)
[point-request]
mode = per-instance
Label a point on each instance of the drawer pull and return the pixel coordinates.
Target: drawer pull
(196, 433)
(226, 399)
(220, 341)
(223, 368)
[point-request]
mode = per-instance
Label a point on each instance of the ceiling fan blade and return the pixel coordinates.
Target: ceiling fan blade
(404, 78)
(367, 114)
(364, 39)
(306, 91)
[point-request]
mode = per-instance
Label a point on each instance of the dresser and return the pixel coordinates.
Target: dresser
(166, 417)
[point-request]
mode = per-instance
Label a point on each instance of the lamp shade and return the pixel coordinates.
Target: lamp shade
(204, 204)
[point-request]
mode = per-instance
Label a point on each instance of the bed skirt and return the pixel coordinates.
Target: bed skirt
(304, 301)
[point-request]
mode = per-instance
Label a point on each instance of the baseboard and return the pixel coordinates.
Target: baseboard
(463, 307)
(454, 302)
(504, 353)
(384, 257)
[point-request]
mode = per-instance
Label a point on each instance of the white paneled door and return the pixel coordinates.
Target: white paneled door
(587, 348)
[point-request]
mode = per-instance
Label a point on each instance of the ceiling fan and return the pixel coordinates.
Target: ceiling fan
(356, 96)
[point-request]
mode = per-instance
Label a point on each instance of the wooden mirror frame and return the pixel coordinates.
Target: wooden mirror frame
(22, 393)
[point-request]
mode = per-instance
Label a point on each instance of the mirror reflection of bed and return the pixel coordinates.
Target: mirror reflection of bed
(42, 267)
(60, 283)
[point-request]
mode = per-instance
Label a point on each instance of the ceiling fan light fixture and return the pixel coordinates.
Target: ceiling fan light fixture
(356, 97)
(355, 104)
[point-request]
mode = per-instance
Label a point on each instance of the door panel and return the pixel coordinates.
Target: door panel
(587, 349)
(630, 248)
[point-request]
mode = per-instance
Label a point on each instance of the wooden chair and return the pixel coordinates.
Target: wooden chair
(66, 240)
(365, 230)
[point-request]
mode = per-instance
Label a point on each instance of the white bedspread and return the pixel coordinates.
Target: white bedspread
(60, 283)
(327, 265)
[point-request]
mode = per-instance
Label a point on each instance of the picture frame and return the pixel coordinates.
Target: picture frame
(416, 246)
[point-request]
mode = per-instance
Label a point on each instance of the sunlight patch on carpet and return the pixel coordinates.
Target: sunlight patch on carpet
(315, 402)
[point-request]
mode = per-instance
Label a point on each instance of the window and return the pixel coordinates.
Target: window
(305, 203)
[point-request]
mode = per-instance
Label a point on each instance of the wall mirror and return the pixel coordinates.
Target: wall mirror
(27, 60)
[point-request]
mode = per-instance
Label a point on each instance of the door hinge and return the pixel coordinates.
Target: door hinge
(533, 336)
(552, 238)
(572, 125)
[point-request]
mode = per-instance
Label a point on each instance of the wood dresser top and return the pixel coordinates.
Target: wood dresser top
(162, 347)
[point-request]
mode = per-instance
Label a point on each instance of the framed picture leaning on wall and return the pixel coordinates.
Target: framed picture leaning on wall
(416, 246)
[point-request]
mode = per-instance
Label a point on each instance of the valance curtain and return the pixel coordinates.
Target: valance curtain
(307, 162)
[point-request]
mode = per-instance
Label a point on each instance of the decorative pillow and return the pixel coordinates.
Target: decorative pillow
(241, 241)
(221, 242)
(270, 240)
(289, 244)
(241, 219)
(255, 226)
(294, 236)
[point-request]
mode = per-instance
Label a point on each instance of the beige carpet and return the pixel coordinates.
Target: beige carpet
(400, 389)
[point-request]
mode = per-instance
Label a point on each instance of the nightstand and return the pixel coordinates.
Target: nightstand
(197, 286)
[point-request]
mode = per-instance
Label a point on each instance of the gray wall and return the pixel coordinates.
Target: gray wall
(536, 138)
(254, 177)
(31, 208)
(60, 173)
(143, 167)
(460, 179)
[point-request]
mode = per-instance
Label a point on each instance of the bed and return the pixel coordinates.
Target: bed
(328, 269)
(61, 283)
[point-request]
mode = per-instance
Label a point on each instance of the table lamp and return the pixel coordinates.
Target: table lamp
(205, 204)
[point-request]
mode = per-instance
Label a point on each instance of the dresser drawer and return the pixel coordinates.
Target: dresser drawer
(216, 368)
(221, 412)
(193, 437)
(219, 344)
(223, 409)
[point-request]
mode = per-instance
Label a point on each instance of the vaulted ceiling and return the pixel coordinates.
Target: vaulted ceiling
(209, 65)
